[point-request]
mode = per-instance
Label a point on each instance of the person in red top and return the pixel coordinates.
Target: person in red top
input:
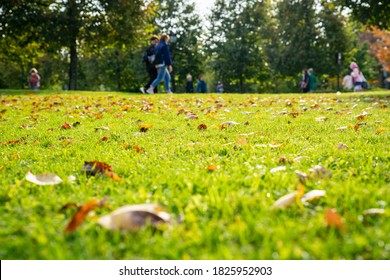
(34, 80)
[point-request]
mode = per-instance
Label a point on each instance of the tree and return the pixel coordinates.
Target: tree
(369, 12)
(235, 45)
(73, 26)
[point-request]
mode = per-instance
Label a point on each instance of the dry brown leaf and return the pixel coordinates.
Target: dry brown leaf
(138, 149)
(192, 117)
(79, 217)
(312, 195)
(228, 124)
(43, 179)
(134, 217)
(66, 126)
(113, 176)
(144, 127)
(342, 146)
(92, 168)
(303, 177)
(202, 126)
(286, 200)
(332, 219)
(319, 172)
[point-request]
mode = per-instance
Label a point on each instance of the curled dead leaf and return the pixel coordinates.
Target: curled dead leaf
(228, 124)
(134, 217)
(79, 217)
(303, 177)
(43, 179)
(286, 200)
(312, 195)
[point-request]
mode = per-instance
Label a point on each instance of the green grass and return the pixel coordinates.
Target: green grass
(227, 212)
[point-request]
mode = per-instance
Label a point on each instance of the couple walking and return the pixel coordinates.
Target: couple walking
(158, 64)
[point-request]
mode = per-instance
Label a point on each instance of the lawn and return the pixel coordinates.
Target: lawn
(216, 163)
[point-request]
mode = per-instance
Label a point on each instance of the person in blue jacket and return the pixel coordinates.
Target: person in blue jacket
(163, 64)
(201, 87)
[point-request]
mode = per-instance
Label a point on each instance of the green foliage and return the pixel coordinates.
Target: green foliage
(235, 44)
(369, 12)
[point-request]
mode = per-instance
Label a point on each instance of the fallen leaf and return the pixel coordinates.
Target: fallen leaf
(380, 130)
(312, 195)
(43, 179)
(319, 171)
(191, 117)
(228, 124)
(138, 149)
(278, 169)
(332, 219)
(342, 146)
(286, 200)
(275, 145)
(212, 167)
(79, 217)
(202, 126)
(374, 211)
(102, 128)
(134, 217)
(144, 127)
(92, 168)
(342, 128)
(321, 119)
(66, 126)
(303, 177)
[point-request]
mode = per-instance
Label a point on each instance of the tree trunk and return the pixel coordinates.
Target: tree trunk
(73, 66)
(73, 15)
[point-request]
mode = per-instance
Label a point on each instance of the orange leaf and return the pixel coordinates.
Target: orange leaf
(212, 167)
(356, 127)
(104, 138)
(93, 167)
(332, 219)
(79, 217)
(202, 126)
(138, 149)
(66, 126)
(113, 176)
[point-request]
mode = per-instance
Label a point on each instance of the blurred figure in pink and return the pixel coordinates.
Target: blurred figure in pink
(34, 80)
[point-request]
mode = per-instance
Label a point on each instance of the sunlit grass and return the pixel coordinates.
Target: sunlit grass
(227, 211)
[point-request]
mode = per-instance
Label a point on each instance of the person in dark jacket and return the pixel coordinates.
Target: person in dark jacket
(305, 82)
(201, 87)
(163, 64)
(148, 58)
(189, 84)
